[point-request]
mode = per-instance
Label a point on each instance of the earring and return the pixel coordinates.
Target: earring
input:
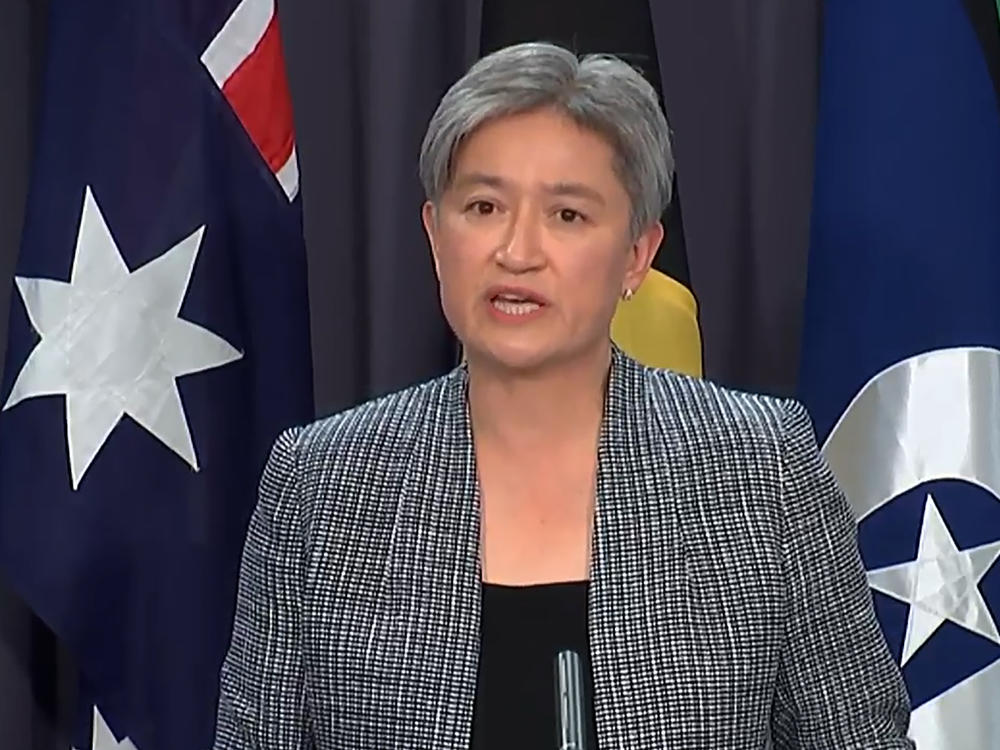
(627, 295)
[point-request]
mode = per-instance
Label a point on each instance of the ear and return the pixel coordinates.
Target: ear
(428, 215)
(641, 255)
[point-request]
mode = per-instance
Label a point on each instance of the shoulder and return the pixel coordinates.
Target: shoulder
(739, 430)
(373, 432)
(701, 406)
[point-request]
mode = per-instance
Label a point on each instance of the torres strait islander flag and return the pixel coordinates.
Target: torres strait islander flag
(901, 354)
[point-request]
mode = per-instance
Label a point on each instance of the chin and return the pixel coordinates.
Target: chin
(526, 357)
(516, 356)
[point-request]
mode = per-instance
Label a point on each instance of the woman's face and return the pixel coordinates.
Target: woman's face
(531, 242)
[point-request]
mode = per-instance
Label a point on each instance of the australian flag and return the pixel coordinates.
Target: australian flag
(901, 354)
(159, 342)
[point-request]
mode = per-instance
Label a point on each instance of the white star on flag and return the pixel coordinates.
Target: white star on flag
(941, 584)
(113, 343)
(104, 738)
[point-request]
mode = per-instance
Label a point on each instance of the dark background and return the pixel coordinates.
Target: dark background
(738, 81)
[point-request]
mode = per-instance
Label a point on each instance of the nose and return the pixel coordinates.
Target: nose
(521, 250)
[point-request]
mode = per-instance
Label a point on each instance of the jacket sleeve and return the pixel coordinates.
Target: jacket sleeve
(838, 685)
(262, 698)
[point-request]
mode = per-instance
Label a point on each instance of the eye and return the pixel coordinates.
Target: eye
(481, 207)
(570, 215)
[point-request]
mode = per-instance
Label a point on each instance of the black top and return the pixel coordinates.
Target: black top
(522, 630)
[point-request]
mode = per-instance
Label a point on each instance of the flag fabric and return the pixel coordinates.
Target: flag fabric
(740, 90)
(158, 344)
(901, 348)
(659, 325)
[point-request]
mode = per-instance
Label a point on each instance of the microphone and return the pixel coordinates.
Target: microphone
(571, 708)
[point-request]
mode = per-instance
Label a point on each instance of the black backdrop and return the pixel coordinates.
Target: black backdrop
(738, 82)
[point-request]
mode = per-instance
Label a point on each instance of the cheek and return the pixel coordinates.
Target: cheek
(463, 251)
(454, 267)
(459, 271)
(450, 283)
(453, 290)
(594, 278)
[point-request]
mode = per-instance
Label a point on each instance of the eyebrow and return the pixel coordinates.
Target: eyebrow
(480, 178)
(576, 189)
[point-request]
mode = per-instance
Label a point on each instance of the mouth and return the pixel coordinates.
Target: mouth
(515, 302)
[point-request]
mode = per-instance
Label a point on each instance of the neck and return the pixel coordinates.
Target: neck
(535, 412)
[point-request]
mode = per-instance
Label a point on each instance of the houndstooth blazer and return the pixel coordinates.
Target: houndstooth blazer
(728, 604)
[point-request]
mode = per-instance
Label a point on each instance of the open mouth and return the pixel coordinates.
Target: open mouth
(510, 304)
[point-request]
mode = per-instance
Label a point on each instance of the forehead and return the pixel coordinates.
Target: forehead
(542, 145)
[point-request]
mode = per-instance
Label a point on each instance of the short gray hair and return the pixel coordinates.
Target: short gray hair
(599, 92)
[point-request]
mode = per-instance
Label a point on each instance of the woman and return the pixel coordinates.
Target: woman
(415, 564)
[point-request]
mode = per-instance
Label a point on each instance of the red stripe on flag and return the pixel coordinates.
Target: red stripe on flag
(258, 92)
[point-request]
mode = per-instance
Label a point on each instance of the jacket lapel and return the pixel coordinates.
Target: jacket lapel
(637, 564)
(435, 591)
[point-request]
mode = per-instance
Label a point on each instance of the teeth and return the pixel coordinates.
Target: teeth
(514, 308)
